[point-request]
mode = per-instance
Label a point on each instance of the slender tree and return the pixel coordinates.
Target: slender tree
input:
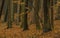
(5, 9)
(24, 16)
(47, 25)
(58, 10)
(2, 5)
(10, 15)
(52, 22)
(18, 13)
(36, 11)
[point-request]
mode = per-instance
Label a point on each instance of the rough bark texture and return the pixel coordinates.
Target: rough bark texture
(47, 25)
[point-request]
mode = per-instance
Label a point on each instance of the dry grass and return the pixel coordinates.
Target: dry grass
(17, 32)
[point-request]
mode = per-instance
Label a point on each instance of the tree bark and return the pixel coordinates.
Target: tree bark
(2, 5)
(47, 25)
(10, 15)
(24, 16)
(5, 10)
(36, 11)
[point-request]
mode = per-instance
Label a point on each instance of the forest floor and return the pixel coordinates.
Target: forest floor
(17, 32)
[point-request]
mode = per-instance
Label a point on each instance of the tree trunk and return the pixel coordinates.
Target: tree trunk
(47, 25)
(2, 5)
(11, 14)
(18, 13)
(24, 16)
(52, 14)
(5, 10)
(36, 11)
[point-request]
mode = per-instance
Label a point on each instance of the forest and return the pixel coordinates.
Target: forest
(29, 18)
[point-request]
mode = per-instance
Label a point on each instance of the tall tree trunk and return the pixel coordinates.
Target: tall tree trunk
(24, 16)
(5, 10)
(11, 14)
(52, 22)
(2, 5)
(36, 11)
(46, 26)
(18, 13)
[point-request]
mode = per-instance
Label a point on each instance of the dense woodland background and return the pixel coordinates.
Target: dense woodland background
(29, 18)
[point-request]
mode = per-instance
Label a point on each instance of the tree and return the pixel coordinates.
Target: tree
(2, 5)
(24, 16)
(36, 11)
(5, 10)
(51, 21)
(47, 24)
(10, 15)
(18, 13)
